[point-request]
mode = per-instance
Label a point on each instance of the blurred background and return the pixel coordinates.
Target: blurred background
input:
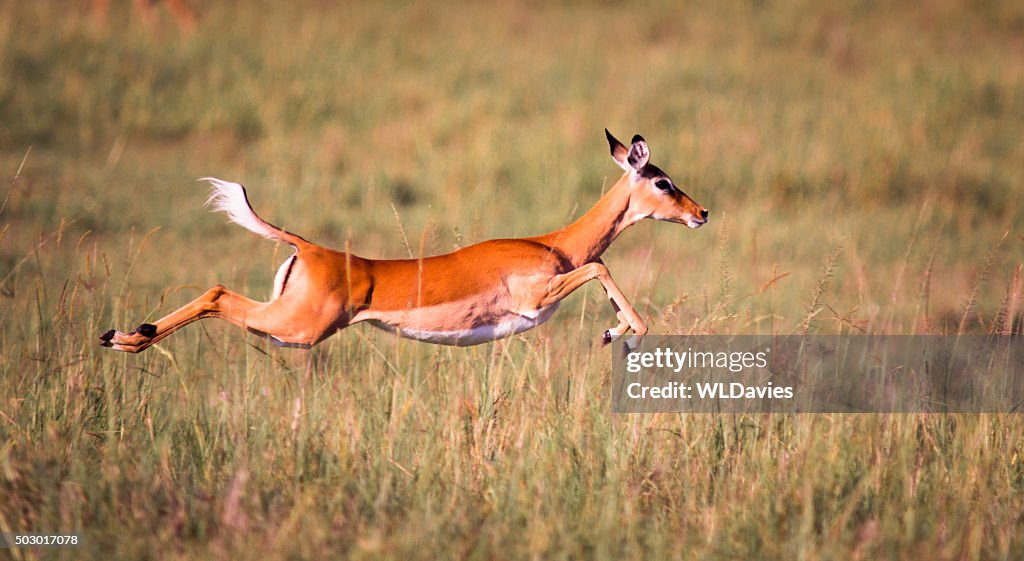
(862, 161)
(891, 132)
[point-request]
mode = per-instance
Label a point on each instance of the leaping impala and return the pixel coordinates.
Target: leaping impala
(476, 294)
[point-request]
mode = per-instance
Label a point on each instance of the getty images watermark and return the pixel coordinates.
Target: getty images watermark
(820, 373)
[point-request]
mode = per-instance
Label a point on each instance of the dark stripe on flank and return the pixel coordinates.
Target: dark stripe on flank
(287, 273)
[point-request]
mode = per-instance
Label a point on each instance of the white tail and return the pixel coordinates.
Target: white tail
(231, 199)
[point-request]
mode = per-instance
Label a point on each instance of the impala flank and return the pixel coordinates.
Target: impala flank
(476, 294)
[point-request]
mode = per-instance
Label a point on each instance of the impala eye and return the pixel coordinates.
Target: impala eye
(663, 184)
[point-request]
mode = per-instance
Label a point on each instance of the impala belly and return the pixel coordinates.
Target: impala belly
(435, 324)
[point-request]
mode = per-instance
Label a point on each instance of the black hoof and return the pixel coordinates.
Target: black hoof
(606, 338)
(106, 337)
(146, 330)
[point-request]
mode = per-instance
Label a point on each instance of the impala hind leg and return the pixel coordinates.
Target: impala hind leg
(219, 302)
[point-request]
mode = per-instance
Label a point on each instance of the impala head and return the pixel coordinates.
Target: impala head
(653, 193)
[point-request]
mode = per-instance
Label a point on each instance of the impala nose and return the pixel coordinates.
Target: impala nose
(704, 213)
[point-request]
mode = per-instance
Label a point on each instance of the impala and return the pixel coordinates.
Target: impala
(476, 294)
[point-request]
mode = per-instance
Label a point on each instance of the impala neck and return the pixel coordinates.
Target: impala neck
(586, 239)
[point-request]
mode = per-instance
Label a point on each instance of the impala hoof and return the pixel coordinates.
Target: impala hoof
(106, 337)
(146, 330)
(606, 338)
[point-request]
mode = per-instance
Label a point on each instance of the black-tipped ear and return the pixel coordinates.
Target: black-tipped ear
(638, 153)
(619, 151)
(613, 142)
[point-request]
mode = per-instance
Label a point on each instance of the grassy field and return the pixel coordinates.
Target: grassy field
(863, 164)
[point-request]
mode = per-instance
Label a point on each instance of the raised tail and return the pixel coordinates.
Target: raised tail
(230, 198)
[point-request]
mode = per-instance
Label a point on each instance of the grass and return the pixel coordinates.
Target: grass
(862, 164)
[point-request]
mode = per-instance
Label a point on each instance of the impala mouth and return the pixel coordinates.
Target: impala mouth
(694, 222)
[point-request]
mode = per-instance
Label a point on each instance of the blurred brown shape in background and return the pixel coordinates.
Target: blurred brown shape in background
(183, 15)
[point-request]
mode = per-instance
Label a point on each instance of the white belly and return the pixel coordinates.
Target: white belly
(508, 325)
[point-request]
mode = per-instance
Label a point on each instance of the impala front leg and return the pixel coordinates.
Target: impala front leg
(613, 333)
(562, 285)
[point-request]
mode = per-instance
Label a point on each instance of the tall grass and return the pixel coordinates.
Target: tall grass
(391, 127)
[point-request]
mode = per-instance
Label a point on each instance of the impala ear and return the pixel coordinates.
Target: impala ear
(638, 153)
(619, 152)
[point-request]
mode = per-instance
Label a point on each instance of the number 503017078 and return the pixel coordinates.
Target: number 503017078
(14, 539)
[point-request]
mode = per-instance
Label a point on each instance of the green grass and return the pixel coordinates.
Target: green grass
(883, 139)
